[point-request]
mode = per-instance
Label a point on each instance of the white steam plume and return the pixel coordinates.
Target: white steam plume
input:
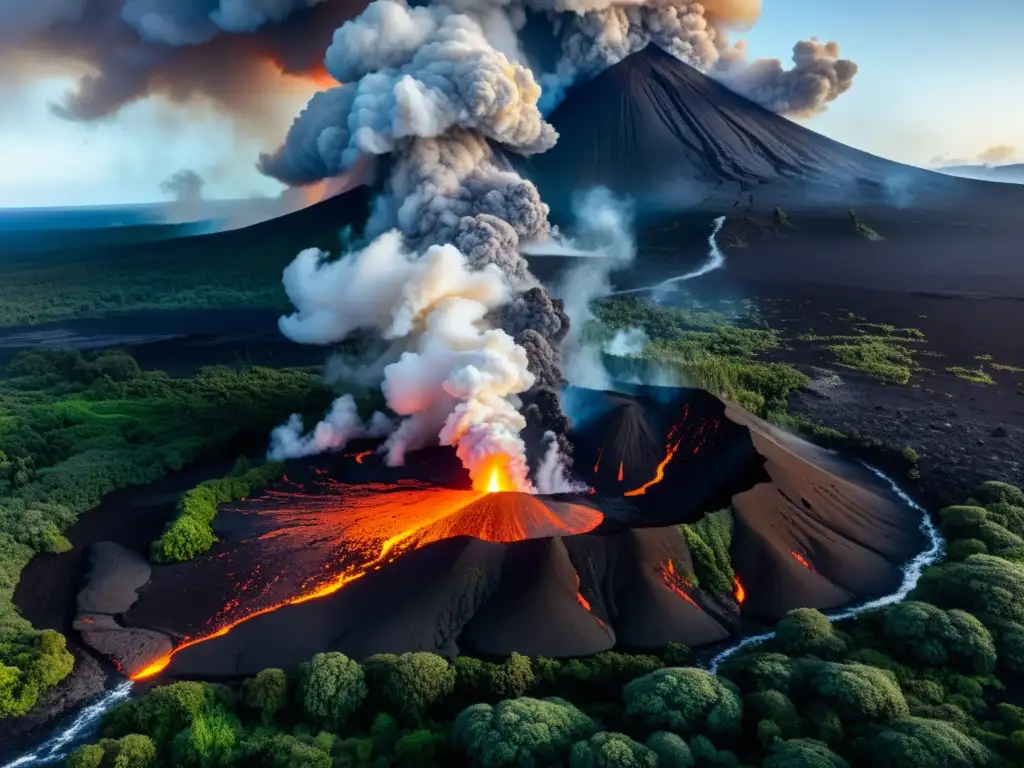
(458, 381)
(341, 425)
(627, 343)
(551, 475)
(604, 225)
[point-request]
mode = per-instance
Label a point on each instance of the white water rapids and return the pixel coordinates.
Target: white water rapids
(87, 721)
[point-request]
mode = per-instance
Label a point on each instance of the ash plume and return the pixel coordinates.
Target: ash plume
(229, 52)
(428, 94)
(817, 77)
(185, 187)
(997, 154)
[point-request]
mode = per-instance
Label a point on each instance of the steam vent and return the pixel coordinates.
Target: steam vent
(363, 558)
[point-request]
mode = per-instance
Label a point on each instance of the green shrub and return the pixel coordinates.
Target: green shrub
(941, 638)
(671, 750)
(803, 753)
(919, 743)
(332, 688)
(855, 692)
(521, 731)
(411, 683)
(709, 541)
(806, 631)
(611, 750)
(984, 585)
(684, 700)
(993, 492)
(758, 671)
(267, 693)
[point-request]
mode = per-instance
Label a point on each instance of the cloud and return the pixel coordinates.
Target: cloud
(997, 155)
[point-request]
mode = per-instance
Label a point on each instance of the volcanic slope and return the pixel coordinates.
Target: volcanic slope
(657, 130)
(382, 560)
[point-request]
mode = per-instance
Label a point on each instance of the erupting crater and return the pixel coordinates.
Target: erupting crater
(355, 556)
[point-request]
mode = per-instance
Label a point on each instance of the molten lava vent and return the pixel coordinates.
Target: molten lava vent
(512, 516)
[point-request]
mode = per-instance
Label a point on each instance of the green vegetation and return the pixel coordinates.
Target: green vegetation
(191, 533)
(231, 269)
(781, 219)
(862, 228)
(705, 348)
(709, 540)
(973, 375)
(74, 427)
(883, 351)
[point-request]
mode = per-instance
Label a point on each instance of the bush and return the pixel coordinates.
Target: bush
(706, 755)
(941, 638)
(161, 713)
(709, 541)
(776, 708)
(332, 688)
(409, 684)
(855, 692)
(520, 731)
(994, 492)
(683, 700)
(806, 631)
(758, 671)
(919, 743)
(671, 750)
(803, 753)
(210, 740)
(87, 756)
(611, 750)
(420, 749)
(984, 585)
(267, 693)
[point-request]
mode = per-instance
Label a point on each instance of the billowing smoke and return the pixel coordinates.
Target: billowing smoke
(605, 227)
(1000, 153)
(595, 34)
(341, 425)
(185, 187)
(817, 77)
(230, 52)
(458, 380)
(629, 342)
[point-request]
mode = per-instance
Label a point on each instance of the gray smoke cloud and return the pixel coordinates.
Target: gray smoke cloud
(185, 187)
(817, 77)
(217, 50)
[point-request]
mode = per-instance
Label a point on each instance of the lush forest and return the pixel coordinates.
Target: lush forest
(932, 682)
(74, 427)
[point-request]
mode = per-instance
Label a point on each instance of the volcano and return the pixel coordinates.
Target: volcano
(356, 556)
(656, 130)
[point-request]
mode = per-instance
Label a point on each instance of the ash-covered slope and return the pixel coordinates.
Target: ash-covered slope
(658, 130)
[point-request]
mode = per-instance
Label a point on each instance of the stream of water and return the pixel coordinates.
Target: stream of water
(85, 725)
(716, 260)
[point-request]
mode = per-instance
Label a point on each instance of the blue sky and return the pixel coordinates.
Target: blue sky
(937, 77)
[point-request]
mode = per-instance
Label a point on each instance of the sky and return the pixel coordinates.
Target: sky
(937, 79)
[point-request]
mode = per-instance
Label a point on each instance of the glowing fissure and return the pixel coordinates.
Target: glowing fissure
(802, 560)
(738, 591)
(620, 471)
(600, 453)
(676, 581)
(659, 473)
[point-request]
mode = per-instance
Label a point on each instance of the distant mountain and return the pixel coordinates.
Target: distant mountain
(1008, 174)
(661, 132)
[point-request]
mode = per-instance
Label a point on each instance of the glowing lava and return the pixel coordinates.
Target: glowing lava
(738, 591)
(369, 525)
(659, 473)
(495, 476)
(620, 471)
(675, 581)
(802, 560)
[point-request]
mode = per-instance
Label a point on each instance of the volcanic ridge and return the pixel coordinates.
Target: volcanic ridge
(363, 558)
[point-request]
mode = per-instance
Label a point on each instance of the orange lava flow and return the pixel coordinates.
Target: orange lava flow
(371, 524)
(494, 477)
(802, 560)
(659, 474)
(620, 471)
(600, 453)
(738, 591)
(361, 457)
(675, 581)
